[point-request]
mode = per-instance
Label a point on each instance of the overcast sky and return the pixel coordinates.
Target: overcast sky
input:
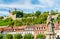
(28, 5)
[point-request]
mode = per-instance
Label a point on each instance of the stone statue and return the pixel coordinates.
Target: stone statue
(50, 24)
(50, 27)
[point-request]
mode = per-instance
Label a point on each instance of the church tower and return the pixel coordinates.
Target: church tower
(50, 27)
(10, 14)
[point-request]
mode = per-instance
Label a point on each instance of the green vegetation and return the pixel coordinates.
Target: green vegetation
(1, 36)
(18, 13)
(28, 36)
(18, 36)
(9, 36)
(37, 17)
(40, 36)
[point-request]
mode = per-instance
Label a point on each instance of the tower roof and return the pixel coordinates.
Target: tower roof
(15, 9)
(9, 10)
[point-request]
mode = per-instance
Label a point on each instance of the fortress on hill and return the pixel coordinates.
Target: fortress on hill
(11, 15)
(14, 17)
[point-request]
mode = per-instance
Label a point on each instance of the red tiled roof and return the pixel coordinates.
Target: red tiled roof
(1, 29)
(35, 26)
(19, 27)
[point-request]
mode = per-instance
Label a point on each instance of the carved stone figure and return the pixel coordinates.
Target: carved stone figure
(50, 27)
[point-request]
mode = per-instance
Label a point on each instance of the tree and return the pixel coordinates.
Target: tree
(37, 13)
(53, 12)
(8, 21)
(5, 22)
(9, 36)
(1, 36)
(11, 24)
(40, 36)
(18, 13)
(28, 36)
(1, 17)
(42, 18)
(58, 18)
(18, 23)
(17, 36)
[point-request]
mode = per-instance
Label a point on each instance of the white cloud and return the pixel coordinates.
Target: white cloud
(27, 5)
(16, 6)
(47, 3)
(24, 6)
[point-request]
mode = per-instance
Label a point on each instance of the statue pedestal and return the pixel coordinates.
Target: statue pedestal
(50, 35)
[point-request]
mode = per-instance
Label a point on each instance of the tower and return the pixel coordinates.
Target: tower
(11, 15)
(50, 27)
(15, 9)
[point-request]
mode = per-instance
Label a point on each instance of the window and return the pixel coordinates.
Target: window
(44, 27)
(39, 28)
